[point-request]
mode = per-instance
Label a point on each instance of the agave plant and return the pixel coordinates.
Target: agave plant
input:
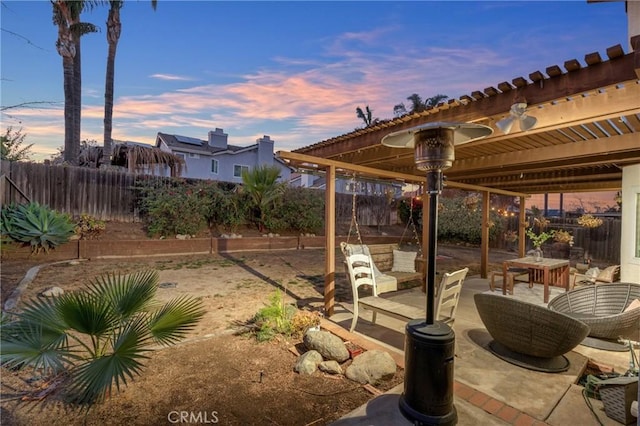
(98, 336)
(7, 215)
(38, 226)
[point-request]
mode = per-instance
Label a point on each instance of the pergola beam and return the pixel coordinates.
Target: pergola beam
(315, 163)
(569, 85)
(619, 148)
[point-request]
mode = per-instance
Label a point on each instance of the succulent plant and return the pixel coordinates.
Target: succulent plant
(7, 215)
(38, 226)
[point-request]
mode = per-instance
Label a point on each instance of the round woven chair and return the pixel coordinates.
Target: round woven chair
(604, 308)
(528, 335)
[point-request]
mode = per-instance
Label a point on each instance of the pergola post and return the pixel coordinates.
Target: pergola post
(484, 238)
(522, 217)
(330, 241)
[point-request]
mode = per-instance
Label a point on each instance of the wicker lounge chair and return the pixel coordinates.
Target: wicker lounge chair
(604, 308)
(528, 335)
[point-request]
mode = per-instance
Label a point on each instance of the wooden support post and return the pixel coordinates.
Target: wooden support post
(522, 217)
(484, 237)
(330, 241)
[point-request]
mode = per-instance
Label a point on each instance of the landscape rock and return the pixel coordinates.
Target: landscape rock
(183, 237)
(52, 292)
(371, 367)
(308, 362)
(331, 367)
(330, 346)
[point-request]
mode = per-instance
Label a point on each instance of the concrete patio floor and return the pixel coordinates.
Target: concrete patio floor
(487, 390)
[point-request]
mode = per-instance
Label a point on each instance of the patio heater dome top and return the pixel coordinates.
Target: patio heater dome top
(462, 133)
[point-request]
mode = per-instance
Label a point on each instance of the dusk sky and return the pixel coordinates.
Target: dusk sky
(295, 71)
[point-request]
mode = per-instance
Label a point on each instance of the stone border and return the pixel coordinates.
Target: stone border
(12, 301)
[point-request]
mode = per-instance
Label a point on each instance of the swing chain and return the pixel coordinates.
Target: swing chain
(354, 218)
(411, 222)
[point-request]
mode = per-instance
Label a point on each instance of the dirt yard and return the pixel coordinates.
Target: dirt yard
(214, 376)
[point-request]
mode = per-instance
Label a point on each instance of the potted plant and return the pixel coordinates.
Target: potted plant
(563, 241)
(537, 240)
(510, 237)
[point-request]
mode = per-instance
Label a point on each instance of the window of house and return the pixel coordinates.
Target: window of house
(239, 169)
(214, 166)
(194, 155)
(181, 155)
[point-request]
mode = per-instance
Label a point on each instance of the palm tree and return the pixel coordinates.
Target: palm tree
(417, 104)
(66, 15)
(366, 116)
(261, 183)
(98, 336)
(114, 27)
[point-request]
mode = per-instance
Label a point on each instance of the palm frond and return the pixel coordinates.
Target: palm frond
(91, 381)
(175, 319)
(138, 156)
(27, 344)
(128, 294)
(86, 313)
(43, 312)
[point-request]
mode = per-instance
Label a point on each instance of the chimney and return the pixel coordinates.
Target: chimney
(218, 139)
(265, 150)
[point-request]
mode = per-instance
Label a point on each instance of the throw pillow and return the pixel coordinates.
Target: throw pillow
(404, 261)
(608, 274)
(592, 273)
(633, 305)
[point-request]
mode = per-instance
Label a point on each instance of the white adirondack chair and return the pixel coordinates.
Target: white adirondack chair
(448, 295)
(361, 273)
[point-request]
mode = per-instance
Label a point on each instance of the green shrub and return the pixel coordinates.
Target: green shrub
(225, 207)
(173, 208)
(299, 209)
(457, 222)
(36, 225)
(88, 227)
(274, 319)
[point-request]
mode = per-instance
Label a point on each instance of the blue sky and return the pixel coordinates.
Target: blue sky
(295, 71)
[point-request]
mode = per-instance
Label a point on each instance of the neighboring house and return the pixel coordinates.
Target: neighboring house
(348, 186)
(215, 159)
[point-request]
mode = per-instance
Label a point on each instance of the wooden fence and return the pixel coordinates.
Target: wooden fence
(102, 193)
(110, 194)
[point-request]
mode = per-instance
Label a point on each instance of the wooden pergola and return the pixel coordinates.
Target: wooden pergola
(587, 131)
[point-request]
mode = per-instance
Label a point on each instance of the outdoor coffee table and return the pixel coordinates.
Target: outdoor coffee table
(556, 270)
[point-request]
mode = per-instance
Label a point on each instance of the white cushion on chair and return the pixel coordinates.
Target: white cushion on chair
(404, 261)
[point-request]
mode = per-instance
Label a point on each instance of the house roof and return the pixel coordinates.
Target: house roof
(189, 144)
(588, 128)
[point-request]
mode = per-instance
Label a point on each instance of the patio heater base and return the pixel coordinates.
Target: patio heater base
(555, 364)
(428, 386)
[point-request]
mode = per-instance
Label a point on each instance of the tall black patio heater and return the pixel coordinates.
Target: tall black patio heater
(430, 344)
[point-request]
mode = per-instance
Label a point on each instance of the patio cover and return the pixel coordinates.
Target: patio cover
(587, 130)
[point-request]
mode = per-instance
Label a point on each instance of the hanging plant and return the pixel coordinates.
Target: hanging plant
(511, 236)
(563, 236)
(589, 221)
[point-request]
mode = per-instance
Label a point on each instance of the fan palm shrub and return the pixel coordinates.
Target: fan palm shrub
(262, 186)
(98, 337)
